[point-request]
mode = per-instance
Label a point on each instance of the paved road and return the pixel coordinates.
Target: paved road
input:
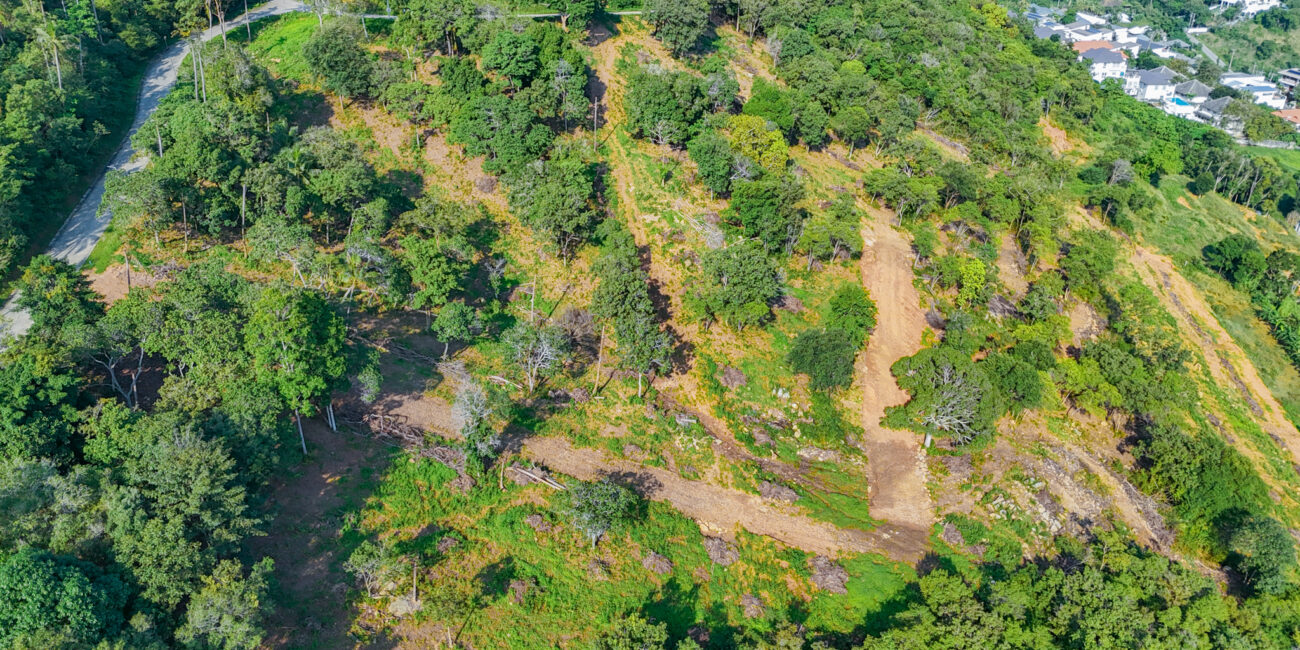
(76, 239)
(1206, 48)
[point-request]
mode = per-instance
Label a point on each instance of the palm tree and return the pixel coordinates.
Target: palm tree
(46, 36)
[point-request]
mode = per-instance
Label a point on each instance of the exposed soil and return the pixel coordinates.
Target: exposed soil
(314, 610)
(111, 285)
(721, 511)
(1011, 267)
(1228, 364)
(1085, 323)
(896, 467)
(1058, 140)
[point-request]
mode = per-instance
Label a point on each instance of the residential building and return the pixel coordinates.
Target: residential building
(1288, 79)
(1255, 87)
(1192, 92)
(1104, 63)
(1154, 85)
(1291, 115)
(1212, 112)
(1093, 19)
(1251, 7)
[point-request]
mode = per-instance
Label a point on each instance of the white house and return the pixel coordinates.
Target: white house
(1256, 87)
(1092, 19)
(1105, 64)
(1154, 85)
(1251, 7)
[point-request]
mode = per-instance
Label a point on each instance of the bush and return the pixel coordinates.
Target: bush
(826, 356)
(853, 311)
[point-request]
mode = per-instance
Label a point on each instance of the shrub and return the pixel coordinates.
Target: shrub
(826, 356)
(853, 311)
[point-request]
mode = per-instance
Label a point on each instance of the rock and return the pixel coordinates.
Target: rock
(447, 543)
(657, 563)
(597, 570)
(701, 574)
(462, 484)
(720, 551)
(819, 454)
(732, 377)
(777, 492)
(538, 523)
(519, 590)
(579, 395)
(698, 634)
(634, 452)
(486, 184)
(403, 606)
(790, 303)
(762, 438)
(829, 576)
(951, 535)
(754, 608)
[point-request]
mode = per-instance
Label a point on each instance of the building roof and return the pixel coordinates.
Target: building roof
(1216, 106)
(1291, 115)
(1193, 88)
(1043, 31)
(1103, 55)
(1160, 76)
(1084, 46)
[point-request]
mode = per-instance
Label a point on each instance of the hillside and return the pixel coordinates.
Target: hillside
(858, 325)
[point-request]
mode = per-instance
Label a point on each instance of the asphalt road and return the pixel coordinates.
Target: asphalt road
(76, 239)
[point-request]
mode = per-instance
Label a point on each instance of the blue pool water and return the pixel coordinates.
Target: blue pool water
(1180, 101)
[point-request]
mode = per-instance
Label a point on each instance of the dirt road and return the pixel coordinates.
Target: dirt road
(721, 511)
(895, 461)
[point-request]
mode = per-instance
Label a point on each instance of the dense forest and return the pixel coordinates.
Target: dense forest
(472, 328)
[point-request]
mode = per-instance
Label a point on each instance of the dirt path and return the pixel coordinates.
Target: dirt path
(895, 461)
(1012, 266)
(721, 511)
(1228, 364)
(312, 592)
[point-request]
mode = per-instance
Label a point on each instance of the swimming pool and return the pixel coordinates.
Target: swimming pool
(1179, 101)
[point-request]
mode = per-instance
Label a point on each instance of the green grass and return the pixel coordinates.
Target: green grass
(1289, 159)
(278, 43)
(414, 506)
(105, 251)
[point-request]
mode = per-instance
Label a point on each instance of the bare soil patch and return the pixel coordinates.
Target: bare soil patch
(896, 466)
(1011, 267)
(721, 511)
(112, 284)
(314, 609)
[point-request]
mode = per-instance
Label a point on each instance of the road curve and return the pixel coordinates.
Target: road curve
(76, 239)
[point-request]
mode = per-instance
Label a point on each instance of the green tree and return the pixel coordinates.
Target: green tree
(512, 55)
(713, 159)
(1264, 553)
(852, 125)
(455, 322)
(40, 592)
(852, 311)
(826, 356)
(557, 197)
(634, 632)
(737, 287)
(228, 612)
(596, 506)
(680, 25)
(296, 341)
(435, 270)
(506, 130)
(334, 53)
(767, 210)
